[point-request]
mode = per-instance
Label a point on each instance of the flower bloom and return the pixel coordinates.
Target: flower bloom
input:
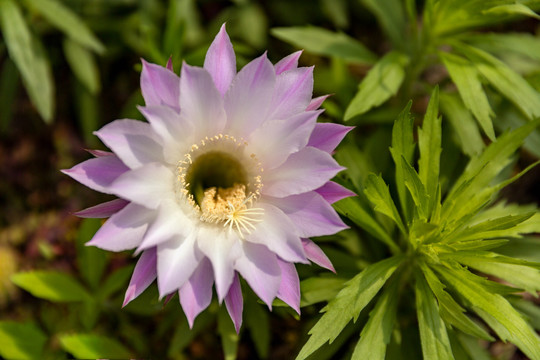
(229, 176)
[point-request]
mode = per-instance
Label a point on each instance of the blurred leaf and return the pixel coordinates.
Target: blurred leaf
(512, 119)
(524, 44)
(391, 17)
(527, 248)
(21, 340)
(51, 285)
(67, 21)
(530, 310)
(380, 84)
(337, 11)
(88, 110)
(229, 337)
(116, 281)
(90, 346)
(512, 9)
(89, 314)
(83, 65)
(317, 289)
(27, 53)
(258, 323)
(252, 24)
(183, 335)
(90, 260)
(326, 43)
(474, 348)
(9, 85)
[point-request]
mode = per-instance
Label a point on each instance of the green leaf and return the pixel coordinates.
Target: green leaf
(416, 189)
(376, 334)
(21, 340)
(348, 303)
(27, 53)
(67, 21)
(51, 285)
(523, 44)
(317, 289)
(229, 337)
(326, 43)
(258, 323)
(433, 335)
(90, 346)
(504, 79)
(512, 9)
(391, 17)
(378, 193)
(380, 84)
(527, 248)
(90, 260)
(9, 85)
(116, 281)
(473, 347)
(494, 309)
(83, 65)
(467, 79)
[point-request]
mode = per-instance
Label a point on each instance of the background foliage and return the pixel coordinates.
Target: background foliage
(439, 261)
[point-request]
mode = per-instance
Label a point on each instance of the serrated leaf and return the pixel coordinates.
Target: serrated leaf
(494, 309)
(391, 17)
(21, 340)
(416, 189)
(380, 84)
(51, 285)
(67, 21)
(378, 193)
(317, 289)
(348, 303)
(467, 79)
(90, 346)
(27, 53)
(376, 334)
(229, 337)
(82, 63)
(327, 43)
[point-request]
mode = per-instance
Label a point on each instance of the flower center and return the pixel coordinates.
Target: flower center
(222, 183)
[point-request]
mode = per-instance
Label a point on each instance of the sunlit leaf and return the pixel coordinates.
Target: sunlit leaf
(90, 346)
(83, 65)
(51, 285)
(378, 193)
(512, 9)
(21, 340)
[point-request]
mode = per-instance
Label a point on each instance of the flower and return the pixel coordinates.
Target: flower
(229, 176)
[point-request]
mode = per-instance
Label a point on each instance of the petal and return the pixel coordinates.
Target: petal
(177, 259)
(169, 65)
(98, 173)
(201, 102)
(292, 93)
(316, 255)
(103, 210)
(275, 140)
(333, 192)
(247, 102)
(133, 141)
(316, 102)
(220, 61)
(289, 289)
(288, 62)
(327, 136)
(278, 233)
(144, 274)
(148, 185)
(124, 230)
(260, 268)
(159, 86)
(311, 214)
(235, 303)
(196, 293)
(303, 171)
(99, 153)
(222, 248)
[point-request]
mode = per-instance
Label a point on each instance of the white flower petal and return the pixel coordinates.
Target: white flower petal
(220, 61)
(292, 93)
(196, 294)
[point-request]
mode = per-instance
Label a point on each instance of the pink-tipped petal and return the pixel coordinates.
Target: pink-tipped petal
(311, 214)
(289, 289)
(124, 230)
(144, 274)
(247, 102)
(168, 298)
(98, 173)
(100, 153)
(235, 303)
(103, 210)
(220, 61)
(333, 192)
(327, 136)
(316, 255)
(170, 64)
(316, 102)
(196, 293)
(306, 170)
(159, 86)
(260, 268)
(292, 93)
(288, 62)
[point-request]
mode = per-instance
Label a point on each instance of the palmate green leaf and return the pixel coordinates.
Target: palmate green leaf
(391, 17)
(433, 335)
(51, 285)
(349, 302)
(509, 83)
(463, 123)
(28, 54)
(378, 193)
(380, 84)
(91, 346)
(521, 273)
(494, 309)
(23, 341)
(327, 43)
(67, 21)
(512, 9)
(83, 65)
(376, 334)
(416, 189)
(467, 80)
